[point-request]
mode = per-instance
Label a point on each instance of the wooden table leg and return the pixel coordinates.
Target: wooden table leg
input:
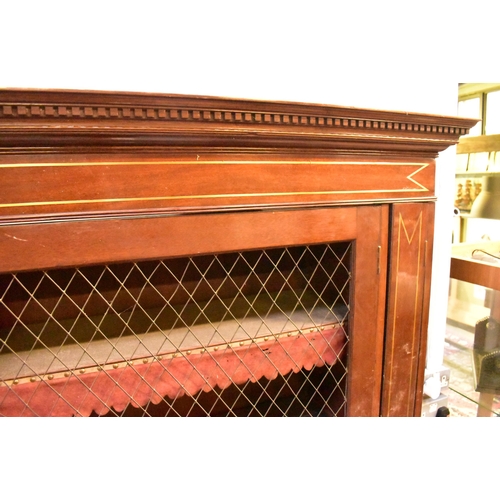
(495, 305)
(485, 404)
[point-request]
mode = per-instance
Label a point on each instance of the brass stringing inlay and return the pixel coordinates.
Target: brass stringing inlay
(418, 187)
(409, 239)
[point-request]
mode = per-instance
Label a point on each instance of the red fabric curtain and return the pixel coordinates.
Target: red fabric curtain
(98, 391)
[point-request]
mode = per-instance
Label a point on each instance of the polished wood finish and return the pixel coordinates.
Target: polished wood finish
(86, 242)
(368, 306)
(201, 181)
(478, 271)
(102, 177)
(409, 282)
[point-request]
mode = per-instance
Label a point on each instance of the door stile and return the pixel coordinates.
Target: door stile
(407, 316)
(368, 312)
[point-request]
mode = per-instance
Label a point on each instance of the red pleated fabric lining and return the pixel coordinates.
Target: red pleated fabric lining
(98, 391)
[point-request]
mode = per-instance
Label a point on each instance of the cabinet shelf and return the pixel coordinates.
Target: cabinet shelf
(86, 348)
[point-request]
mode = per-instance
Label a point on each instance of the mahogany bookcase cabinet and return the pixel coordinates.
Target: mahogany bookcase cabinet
(186, 255)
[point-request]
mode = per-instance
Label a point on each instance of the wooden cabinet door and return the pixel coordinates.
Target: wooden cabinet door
(407, 308)
(288, 235)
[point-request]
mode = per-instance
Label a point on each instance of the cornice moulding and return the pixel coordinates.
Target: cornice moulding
(65, 119)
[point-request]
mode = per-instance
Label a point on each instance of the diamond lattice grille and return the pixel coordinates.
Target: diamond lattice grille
(254, 333)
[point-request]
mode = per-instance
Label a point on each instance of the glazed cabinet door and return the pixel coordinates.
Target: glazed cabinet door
(260, 313)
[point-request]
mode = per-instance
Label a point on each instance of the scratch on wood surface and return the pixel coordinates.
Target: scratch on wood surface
(14, 237)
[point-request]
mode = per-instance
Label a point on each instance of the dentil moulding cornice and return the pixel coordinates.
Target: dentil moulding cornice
(62, 120)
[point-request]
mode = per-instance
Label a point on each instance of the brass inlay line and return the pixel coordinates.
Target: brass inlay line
(415, 306)
(203, 196)
(420, 187)
(210, 162)
(398, 253)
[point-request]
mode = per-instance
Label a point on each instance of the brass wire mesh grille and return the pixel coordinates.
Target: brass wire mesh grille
(254, 333)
